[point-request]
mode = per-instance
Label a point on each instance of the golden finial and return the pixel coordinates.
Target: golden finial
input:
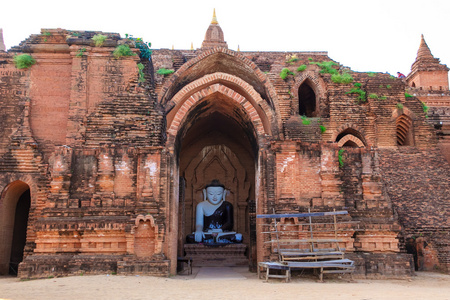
(239, 49)
(214, 19)
(172, 47)
(192, 46)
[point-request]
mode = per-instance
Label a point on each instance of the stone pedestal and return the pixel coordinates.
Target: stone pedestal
(227, 255)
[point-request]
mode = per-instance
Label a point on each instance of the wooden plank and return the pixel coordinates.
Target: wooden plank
(338, 271)
(311, 253)
(303, 215)
(304, 241)
(318, 265)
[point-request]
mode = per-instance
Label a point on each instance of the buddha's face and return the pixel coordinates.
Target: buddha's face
(214, 194)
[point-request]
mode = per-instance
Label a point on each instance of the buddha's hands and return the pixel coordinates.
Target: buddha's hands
(199, 236)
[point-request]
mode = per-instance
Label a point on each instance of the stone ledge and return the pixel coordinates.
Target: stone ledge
(382, 265)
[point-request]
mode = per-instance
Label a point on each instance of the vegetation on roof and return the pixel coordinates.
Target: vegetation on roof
(99, 39)
(344, 78)
(122, 50)
(301, 68)
(23, 61)
(285, 73)
(326, 67)
(360, 92)
(144, 48)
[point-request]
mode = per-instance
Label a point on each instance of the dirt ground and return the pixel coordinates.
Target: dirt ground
(236, 284)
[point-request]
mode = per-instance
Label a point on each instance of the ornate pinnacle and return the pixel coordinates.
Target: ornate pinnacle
(214, 19)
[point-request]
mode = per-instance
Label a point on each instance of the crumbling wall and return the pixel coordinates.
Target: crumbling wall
(418, 183)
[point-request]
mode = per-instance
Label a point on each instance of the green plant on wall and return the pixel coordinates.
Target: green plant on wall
(360, 92)
(122, 50)
(80, 52)
(99, 39)
(164, 71)
(371, 74)
(144, 48)
(141, 72)
(408, 95)
(322, 129)
(301, 68)
(23, 61)
(285, 73)
(305, 120)
(344, 78)
(46, 34)
(425, 108)
(326, 67)
(373, 96)
(291, 59)
(399, 105)
(341, 158)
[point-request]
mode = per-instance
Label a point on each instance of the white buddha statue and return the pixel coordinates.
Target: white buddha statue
(214, 217)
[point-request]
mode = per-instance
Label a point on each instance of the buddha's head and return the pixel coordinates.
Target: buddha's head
(214, 192)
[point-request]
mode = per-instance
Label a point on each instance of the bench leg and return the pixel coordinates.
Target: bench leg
(321, 275)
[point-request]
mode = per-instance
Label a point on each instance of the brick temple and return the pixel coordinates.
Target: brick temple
(103, 159)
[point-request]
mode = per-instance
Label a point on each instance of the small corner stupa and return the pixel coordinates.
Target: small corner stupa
(2, 44)
(214, 35)
(425, 61)
(427, 72)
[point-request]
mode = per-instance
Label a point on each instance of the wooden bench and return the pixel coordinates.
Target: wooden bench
(324, 254)
(325, 266)
(267, 266)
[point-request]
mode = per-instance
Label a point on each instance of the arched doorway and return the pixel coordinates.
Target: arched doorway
(217, 141)
(14, 210)
(307, 100)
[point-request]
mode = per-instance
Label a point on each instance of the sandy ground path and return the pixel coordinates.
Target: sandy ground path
(226, 285)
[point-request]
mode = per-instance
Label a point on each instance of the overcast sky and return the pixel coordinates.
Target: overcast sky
(381, 36)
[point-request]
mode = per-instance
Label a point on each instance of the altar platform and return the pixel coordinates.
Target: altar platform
(217, 255)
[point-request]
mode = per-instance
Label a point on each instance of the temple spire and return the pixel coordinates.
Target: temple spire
(214, 18)
(425, 60)
(214, 35)
(2, 44)
(427, 72)
(424, 51)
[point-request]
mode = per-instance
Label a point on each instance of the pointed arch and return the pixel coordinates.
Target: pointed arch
(309, 91)
(307, 100)
(220, 60)
(350, 137)
(349, 140)
(189, 96)
(404, 132)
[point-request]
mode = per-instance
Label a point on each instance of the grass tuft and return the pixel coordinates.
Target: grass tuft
(122, 50)
(301, 68)
(23, 61)
(285, 73)
(164, 71)
(99, 39)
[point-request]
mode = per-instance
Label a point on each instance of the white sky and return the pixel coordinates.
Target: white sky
(377, 35)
